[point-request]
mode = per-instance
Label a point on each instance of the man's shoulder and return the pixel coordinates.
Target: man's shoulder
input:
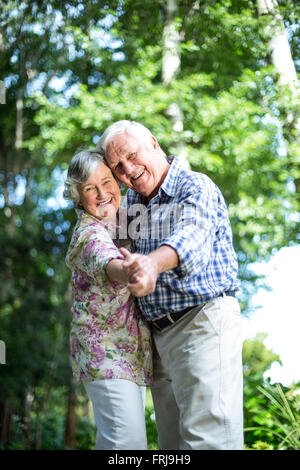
(190, 181)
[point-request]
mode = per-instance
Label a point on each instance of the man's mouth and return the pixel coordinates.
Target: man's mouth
(140, 173)
(104, 202)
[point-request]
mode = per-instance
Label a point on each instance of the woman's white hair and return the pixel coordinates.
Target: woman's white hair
(133, 128)
(80, 169)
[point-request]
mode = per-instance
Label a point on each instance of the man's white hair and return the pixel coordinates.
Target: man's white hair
(133, 128)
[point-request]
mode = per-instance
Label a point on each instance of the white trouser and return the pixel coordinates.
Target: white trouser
(198, 384)
(119, 409)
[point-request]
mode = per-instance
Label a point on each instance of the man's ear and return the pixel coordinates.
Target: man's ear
(154, 142)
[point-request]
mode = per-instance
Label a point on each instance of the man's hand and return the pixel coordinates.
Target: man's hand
(142, 272)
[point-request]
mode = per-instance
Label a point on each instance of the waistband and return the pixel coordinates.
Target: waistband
(172, 318)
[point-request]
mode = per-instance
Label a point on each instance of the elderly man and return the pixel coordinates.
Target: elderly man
(184, 274)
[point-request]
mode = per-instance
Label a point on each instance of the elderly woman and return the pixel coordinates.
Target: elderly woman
(110, 342)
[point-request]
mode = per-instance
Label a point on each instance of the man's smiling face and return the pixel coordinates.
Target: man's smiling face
(140, 166)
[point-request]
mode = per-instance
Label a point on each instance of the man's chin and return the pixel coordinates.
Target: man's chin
(141, 189)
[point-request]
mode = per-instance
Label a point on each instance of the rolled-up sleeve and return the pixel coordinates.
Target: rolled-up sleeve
(97, 249)
(191, 234)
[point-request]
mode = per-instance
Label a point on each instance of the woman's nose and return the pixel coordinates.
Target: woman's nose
(101, 194)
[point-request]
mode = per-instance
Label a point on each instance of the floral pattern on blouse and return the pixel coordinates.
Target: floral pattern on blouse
(108, 337)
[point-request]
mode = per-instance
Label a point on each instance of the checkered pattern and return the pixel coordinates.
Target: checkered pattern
(189, 214)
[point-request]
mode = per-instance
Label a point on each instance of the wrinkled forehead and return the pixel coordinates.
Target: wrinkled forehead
(121, 146)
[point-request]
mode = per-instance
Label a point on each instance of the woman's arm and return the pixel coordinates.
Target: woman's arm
(115, 271)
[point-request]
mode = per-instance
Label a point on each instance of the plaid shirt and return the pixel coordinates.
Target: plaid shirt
(190, 215)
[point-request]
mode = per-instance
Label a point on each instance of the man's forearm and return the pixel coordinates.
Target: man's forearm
(165, 258)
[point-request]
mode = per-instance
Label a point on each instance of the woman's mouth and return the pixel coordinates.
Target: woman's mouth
(105, 202)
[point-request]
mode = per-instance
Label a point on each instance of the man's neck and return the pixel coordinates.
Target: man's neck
(155, 192)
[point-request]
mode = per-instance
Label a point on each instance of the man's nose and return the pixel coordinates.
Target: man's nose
(128, 168)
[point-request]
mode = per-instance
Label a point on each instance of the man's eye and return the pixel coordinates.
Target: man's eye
(132, 155)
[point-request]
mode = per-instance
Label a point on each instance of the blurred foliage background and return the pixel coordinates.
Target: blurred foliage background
(216, 82)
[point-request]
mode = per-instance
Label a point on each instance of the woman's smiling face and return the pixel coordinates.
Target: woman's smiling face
(100, 194)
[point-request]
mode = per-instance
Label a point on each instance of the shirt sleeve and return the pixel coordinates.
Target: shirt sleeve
(192, 231)
(96, 249)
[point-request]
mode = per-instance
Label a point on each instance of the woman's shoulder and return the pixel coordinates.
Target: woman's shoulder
(88, 232)
(88, 226)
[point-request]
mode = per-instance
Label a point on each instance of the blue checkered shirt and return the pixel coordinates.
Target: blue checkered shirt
(190, 215)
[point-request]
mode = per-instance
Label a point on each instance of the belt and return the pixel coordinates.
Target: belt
(172, 318)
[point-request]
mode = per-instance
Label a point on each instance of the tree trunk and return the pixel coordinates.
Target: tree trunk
(6, 423)
(279, 45)
(171, 41)
(170, 67)
(282, 60)
(26, 421)
(71, 419)
(38, 432)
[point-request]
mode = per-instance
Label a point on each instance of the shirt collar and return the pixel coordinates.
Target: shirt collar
(169, 185)
(87, 219)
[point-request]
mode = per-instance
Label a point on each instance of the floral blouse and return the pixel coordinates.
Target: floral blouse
(108, 338)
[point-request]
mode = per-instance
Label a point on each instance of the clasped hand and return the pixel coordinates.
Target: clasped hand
(141, 271)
